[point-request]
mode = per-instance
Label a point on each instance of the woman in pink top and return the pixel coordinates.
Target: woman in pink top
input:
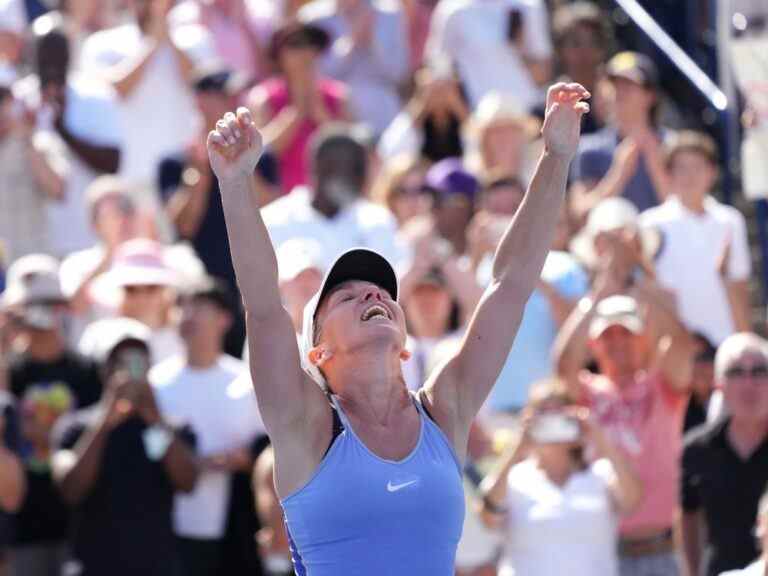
(290, 107)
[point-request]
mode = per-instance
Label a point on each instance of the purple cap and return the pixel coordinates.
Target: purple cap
(449, 177)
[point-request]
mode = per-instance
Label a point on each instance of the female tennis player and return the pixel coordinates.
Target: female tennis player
(369, 476)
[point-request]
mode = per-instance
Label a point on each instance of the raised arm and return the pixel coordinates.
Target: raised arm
(282, 389)
(460, 387)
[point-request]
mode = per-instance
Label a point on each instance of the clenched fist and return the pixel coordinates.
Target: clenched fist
(234, 146)
(562, 122)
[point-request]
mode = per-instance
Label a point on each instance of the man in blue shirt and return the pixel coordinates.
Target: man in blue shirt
(625, 157)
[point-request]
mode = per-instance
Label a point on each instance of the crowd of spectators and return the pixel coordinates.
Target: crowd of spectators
(627, 433)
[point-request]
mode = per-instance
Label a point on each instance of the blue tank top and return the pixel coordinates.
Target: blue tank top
(364, 515)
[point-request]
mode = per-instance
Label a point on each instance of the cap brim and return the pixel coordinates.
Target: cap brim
(600, 325)
(360, 264)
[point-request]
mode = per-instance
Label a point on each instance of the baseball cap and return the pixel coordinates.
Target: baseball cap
(33, 279)
(140, 262)
(611, 214)
(355, 264)
(296, 255)
(117, 331)
(616, 310)
(218, 79)
(449, 177)
(633, 66)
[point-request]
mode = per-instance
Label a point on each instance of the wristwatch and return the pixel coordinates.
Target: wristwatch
(157, 439)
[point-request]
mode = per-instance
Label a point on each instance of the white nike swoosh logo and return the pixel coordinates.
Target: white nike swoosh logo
(395, 487)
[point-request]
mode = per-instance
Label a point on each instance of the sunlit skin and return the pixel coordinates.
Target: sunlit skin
(502, 147)
(747, 396)
(691, 177)
(502, 200)
(619, 353)
(630, 103)
(115, 220)
(343, 334)
(429, 310)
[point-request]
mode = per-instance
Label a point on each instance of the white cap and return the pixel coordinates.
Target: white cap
(609, 215)
(354, 264)
(140, 262)
(33, 279)
(299, 254)
(616, 310)
(115, 331)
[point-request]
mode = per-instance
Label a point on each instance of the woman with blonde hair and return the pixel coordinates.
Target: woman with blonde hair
(558, 512)
(502, 138)
(400, 187)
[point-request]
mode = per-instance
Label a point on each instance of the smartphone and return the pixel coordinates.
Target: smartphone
(135, 363)
(554, 428)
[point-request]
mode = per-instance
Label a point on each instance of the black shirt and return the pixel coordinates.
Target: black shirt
(695, 414)
(43, 517)
(79, 374)
(123, 527)
(11, 441)
(726, 488)
(210, 242)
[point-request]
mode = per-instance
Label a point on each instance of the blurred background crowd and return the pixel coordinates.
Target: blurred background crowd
(130, 437)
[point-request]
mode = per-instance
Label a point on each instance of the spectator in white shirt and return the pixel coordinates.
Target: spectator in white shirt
(704, 258)
(334, 212)
(430, 125)
(77, 117)
(151, 77)
(204, 389)
(145, 286)
(494, 45)
(30, 175)
(558, 512)
(368, 52)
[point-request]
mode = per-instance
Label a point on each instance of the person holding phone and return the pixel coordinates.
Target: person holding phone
(559, 512)
(119, 464)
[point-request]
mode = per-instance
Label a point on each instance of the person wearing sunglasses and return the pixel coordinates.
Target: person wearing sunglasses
(725, 463)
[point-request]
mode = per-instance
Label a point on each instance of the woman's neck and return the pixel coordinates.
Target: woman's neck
(557, 470)
(370, 384)
(693, 202)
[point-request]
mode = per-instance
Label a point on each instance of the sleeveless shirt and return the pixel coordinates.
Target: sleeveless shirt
(361, 514)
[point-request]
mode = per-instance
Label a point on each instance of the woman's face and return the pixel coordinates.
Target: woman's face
(297, 60)
(502, 147)
(429, 310)
(581, 49)
(356, 315)
(409, 199)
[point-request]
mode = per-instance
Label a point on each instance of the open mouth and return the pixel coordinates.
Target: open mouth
(375, 311)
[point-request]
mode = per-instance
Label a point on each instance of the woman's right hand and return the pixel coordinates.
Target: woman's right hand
(234, 146)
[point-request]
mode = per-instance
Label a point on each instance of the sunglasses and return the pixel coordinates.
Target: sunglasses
(758, 371)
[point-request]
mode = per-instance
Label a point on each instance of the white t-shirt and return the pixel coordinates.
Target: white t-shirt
(362, 224)
(754, 569)
(220, 407)
(560, 530)
(162, 100)
(472, 36)
(90, 115)
(687, 265)
(164, 343)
